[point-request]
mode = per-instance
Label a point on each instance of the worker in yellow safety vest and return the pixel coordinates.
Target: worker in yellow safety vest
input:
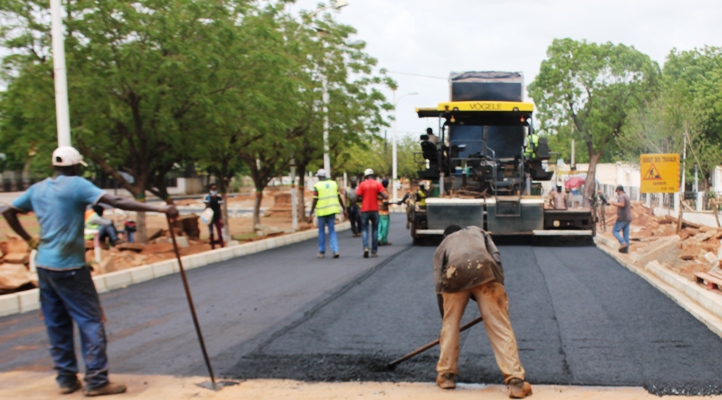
(531, 145)
(421, 196)
(327, 202)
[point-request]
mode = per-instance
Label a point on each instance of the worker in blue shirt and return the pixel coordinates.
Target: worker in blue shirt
(67, 292)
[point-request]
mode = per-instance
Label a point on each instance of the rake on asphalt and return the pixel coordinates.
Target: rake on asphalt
(423, 348)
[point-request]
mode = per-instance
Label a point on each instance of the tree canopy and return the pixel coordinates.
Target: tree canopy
(587, 91)
(158, 85)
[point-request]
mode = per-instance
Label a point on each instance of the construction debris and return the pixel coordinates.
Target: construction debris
(188, 224)
(282, 206)
(16, 277)
(695, 248)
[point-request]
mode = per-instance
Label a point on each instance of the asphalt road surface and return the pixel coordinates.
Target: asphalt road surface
(580, 318)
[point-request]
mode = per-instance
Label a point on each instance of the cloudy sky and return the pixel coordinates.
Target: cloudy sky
(434, 37)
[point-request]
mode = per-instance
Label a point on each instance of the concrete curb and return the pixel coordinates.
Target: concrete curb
(700, 303)
(29, 300)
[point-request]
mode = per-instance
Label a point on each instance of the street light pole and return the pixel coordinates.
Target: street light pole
(394, 166)
(62, 113)
(326, 157)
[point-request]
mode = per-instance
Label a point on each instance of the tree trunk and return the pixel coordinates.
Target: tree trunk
(589, 184)
(257, 206)
(300, 198)
(223, 189)
(141, 233)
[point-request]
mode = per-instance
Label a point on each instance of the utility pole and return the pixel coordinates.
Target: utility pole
(684, 158)
(294, 211)
(62, 113)
(326, 157)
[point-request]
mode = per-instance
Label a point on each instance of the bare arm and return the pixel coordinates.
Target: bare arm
(313, 207)
(11, 215)
(619, 204)
(132, 205)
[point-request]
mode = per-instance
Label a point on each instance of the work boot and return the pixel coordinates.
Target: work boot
(366, 252)
(336, 255)
(446, 381)
(624, 248)
(110, 388)
(321, 255)
(72, 388)
(518, 389)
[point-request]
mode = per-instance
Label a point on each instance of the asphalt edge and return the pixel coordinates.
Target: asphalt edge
(702, 304)
(28, 300)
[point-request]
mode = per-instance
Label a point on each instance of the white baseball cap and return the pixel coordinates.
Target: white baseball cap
(368, 172)
(67, 156)
(321, 172)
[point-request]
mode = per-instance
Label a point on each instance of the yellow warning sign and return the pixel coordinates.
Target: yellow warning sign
(652, 174)
(660, 173)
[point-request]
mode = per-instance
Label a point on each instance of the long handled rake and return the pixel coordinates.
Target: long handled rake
(190, 305)
(422, 349)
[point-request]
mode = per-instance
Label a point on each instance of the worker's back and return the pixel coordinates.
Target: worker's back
(465, 259)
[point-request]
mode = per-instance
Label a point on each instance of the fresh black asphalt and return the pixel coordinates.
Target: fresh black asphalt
(579, 317)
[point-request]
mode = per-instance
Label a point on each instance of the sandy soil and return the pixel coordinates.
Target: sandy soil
(41, 385)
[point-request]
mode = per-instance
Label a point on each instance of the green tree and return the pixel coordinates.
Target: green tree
(356, 106)
(693, 103)
(136, 72)
(592, 88)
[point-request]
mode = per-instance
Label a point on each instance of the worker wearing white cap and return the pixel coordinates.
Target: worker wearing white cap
(67, 292)
(368, 191)
(327, 203)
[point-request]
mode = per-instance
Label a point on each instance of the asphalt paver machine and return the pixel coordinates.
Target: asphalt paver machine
(485, 168)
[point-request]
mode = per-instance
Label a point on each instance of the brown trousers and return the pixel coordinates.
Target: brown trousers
(494, 307)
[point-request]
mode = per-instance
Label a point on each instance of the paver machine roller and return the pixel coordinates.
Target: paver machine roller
(486, 166)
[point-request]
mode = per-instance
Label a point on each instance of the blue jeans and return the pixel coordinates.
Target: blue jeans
(373, 217)
(621, 226)
(67, 296)
(108, 231)
(329, 220)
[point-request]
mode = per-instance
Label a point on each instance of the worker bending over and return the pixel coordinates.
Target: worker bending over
(467, 263)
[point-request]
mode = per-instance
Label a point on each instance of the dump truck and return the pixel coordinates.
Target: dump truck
(485, 166)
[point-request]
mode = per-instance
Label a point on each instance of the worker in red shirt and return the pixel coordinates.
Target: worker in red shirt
(369, 190)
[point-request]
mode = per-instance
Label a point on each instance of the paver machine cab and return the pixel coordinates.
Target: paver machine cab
(486, 164)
